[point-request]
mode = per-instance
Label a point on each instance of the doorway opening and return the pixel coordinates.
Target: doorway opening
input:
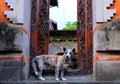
(63, 28)
(41, 35)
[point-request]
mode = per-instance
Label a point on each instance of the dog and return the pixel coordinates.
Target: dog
(58, 61)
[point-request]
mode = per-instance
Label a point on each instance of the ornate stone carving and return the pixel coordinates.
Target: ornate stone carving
(39, 27)
(83, 32)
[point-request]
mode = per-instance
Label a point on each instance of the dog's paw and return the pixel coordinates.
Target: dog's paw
(57, 79)
(64, 79)
(41, 78)
(36, 73)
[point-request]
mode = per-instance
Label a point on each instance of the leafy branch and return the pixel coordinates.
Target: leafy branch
(71, 26)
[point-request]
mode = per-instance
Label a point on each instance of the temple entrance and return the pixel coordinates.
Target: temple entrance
(40, 33)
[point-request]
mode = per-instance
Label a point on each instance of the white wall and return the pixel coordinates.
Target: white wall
(16, 16)
(66, 11)
(26, 38)
(102, 13)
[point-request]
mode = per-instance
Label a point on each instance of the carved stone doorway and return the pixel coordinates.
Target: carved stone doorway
(39, 39)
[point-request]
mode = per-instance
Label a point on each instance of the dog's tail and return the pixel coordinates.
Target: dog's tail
(34, 66)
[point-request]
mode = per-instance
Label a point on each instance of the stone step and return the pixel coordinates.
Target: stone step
(70, 80)
(57, 82)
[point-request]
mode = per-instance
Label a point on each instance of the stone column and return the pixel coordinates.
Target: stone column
(11, 58)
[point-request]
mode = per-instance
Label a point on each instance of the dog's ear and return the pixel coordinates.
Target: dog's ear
(73, 50)
(64, 49)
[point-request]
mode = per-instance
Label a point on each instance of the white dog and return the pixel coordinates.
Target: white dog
(58, 61)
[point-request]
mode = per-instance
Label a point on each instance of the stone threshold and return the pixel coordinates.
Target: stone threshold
(70, 80)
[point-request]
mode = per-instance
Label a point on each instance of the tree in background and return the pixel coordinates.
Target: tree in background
(71, 26)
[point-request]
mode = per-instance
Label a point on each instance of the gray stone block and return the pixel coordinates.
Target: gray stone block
(10, 70)
(108, 70)
(10, 74)
(10, 38)
(14, 64)
(107, 39)
(101, 39)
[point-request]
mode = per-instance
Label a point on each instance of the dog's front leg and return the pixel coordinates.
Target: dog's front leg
(40, 66)
(57, 68)
(62, 75)
(64, 66)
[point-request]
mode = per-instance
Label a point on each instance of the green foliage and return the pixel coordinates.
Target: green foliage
(71, 26)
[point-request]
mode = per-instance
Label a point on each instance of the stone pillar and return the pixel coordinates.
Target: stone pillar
(11, 58)
(107, 57)
(26, 37)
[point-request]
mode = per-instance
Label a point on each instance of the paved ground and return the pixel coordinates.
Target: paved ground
(88, 78)
(70, 80)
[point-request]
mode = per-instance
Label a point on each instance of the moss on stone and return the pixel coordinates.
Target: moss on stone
(7, 37)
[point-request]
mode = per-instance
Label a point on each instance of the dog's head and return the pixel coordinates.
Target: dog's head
(68, 53)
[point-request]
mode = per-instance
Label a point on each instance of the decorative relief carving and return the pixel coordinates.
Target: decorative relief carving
(89, 36)
(39, 26)
(44, 25)
(84, 23)
(84, 30)
(81, 33)
(33, 15)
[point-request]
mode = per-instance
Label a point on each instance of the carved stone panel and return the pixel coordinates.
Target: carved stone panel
(39, 27)
(84, 33)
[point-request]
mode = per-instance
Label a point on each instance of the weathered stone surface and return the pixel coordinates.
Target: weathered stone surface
(10, 38)
(11, 67)
(10, 70)
(101, 39)
(14, 64)
(108, 39)
(108, 70)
